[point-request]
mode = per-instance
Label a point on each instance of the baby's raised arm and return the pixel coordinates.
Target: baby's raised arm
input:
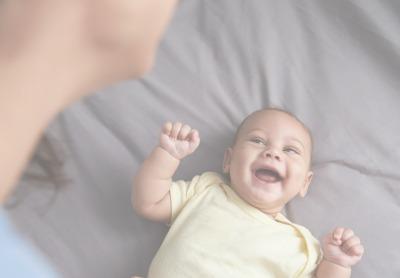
(150, 194)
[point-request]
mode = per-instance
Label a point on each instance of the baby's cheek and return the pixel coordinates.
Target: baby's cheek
(300, 166)
(297, 176)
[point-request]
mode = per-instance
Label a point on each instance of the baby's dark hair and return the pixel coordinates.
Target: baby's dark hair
(278, 110)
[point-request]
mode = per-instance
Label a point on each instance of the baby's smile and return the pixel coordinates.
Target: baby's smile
(267, 175)
(267, 179)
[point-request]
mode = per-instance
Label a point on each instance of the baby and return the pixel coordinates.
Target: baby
(235, 228)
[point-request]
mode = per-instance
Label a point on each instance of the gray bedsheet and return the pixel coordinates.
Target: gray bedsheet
(335, 64)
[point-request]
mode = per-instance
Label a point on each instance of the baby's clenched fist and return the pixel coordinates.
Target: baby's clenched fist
(178, 139)
(342, 247)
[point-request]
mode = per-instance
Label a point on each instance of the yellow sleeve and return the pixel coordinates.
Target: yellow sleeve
(182, 192)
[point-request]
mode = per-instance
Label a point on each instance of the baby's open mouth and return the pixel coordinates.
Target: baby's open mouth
(268, 175)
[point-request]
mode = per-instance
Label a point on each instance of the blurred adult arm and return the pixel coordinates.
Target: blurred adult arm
(54, 52)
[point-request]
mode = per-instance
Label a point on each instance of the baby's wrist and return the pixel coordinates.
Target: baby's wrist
(169, 153)
(327, 268)
(336, 263)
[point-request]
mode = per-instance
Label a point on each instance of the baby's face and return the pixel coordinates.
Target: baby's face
(269, 162)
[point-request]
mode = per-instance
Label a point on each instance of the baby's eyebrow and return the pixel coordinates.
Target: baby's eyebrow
(296, 140)
(255, 131)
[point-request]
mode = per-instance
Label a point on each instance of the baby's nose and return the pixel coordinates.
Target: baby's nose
(272, 153)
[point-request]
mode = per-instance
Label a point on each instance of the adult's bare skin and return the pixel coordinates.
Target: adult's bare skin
(52, 52)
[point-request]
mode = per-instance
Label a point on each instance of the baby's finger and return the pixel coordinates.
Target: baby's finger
(194, 135)
(349, 243)
(337, 235)
(356, 250)
(183, 134)
(167, 127)
(347, 234)
(175, 130)
(194, 138)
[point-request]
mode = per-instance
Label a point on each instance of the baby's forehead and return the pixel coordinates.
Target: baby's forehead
(273, 121)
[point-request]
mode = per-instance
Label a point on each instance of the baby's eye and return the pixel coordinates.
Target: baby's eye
(257, 140)
(291, 150)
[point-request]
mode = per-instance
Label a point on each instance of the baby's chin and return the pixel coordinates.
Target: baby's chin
(260, 198)
(265, 201)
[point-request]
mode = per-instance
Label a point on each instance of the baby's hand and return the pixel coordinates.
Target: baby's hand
(179, 140)
(342, 247)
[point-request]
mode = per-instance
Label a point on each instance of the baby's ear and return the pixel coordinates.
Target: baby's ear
(304, 189)
(227, 160)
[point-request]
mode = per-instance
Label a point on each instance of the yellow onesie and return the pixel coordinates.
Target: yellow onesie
(214, 233)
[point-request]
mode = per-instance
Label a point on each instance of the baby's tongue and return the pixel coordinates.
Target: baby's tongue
(267, 175)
